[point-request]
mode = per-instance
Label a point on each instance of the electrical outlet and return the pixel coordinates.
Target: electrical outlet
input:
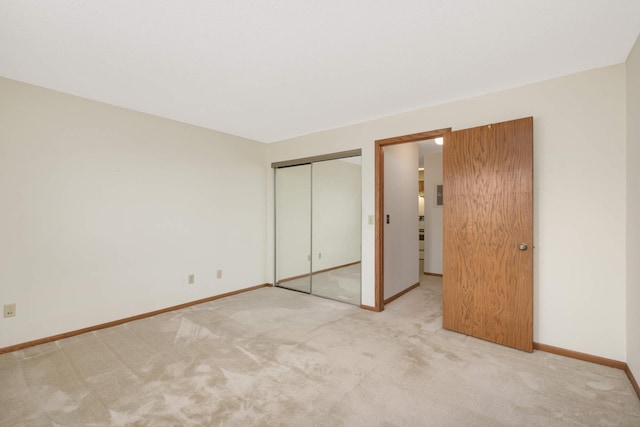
(219, 274)
(370, 219)
(192, 279)
(9, 310)
(319, 255)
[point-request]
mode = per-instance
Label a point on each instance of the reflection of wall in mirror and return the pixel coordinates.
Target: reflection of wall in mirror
(335, 221)
(293, 220)
(337, 215)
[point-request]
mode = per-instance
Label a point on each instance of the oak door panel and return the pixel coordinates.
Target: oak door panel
(488, 213)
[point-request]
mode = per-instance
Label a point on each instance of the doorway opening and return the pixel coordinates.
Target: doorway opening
(379, 203)
(487, 230)
(430, 206)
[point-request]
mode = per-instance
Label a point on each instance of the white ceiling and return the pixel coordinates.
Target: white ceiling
(428, 146)
(275, 69)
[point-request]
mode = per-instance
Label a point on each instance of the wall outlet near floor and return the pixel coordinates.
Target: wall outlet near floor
(10, 310)
(219, 274)
(192, 279)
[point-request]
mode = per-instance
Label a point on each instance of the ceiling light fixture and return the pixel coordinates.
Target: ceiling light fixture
(439, 140)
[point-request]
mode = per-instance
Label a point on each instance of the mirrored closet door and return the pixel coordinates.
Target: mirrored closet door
(293, 227)
(318, 227)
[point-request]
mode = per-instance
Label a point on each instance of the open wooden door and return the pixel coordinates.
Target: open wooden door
(488, 233)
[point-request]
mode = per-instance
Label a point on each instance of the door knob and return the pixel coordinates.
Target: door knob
(523, 246)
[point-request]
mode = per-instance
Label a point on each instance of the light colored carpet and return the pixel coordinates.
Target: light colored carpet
(274, 357)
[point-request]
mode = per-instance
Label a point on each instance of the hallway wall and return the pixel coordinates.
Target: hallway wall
(401, 263)
(433, 214)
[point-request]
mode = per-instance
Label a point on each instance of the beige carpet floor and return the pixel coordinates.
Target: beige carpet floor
(274, 357)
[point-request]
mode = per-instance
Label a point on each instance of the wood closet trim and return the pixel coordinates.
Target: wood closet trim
(379, 202)
(288, 279)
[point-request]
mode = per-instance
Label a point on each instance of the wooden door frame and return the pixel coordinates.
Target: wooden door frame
(379, 200)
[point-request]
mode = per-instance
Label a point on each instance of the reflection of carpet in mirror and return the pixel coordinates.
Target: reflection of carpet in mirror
(341, 284)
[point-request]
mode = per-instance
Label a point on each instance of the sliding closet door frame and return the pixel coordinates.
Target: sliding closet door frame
(320, 158)
(299, 162)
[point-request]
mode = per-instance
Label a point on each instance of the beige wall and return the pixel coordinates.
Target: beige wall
(580, 196)
(633, 210)
(105, 212)
(433, 214)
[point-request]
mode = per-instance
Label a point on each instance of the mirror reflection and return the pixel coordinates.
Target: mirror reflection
(336, 229)
(318, 228)
(293, 227)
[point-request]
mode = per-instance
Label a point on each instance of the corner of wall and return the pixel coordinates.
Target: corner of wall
(633, 211)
